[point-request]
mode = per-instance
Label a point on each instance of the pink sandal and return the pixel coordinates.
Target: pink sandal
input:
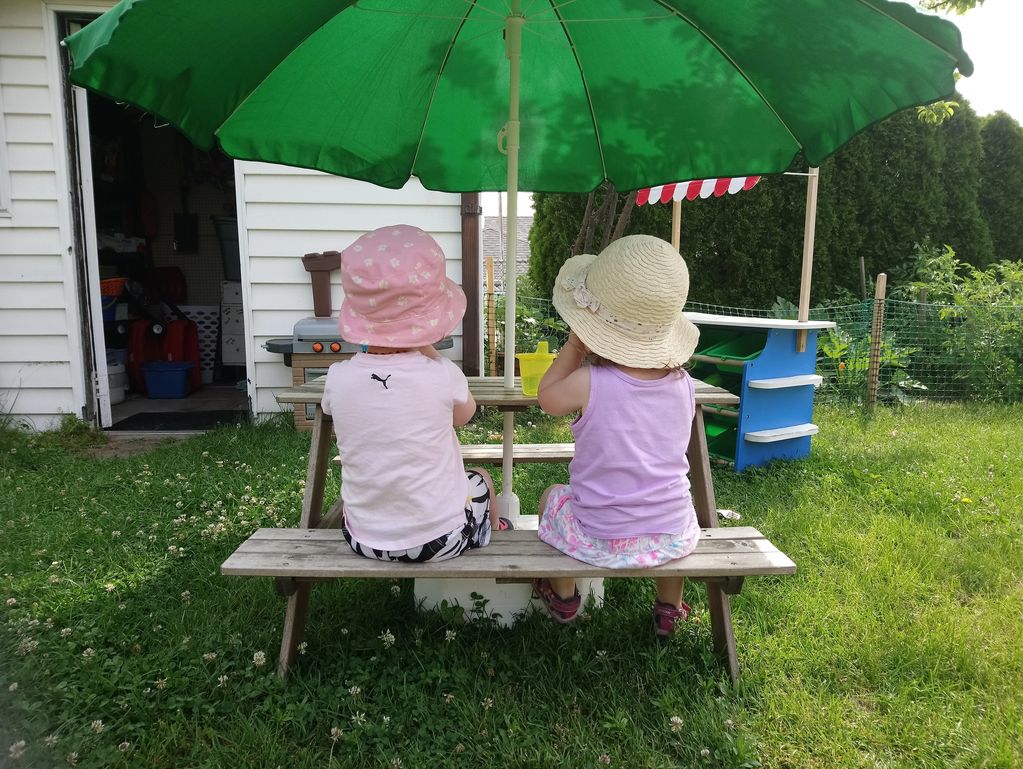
(562, 610)
(666, 616)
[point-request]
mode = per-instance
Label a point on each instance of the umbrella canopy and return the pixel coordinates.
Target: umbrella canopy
(639, 92)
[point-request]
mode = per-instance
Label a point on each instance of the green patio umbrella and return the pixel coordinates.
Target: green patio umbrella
(638, 92)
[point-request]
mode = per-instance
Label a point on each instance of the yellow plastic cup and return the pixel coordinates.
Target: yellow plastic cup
(532, 367)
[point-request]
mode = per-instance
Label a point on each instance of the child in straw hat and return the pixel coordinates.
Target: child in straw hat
(628, 503)
(407, 495)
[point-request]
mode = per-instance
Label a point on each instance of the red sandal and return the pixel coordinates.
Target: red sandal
(666, 616)
(562, 610)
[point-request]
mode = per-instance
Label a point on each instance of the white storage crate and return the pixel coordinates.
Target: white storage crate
(207, 318)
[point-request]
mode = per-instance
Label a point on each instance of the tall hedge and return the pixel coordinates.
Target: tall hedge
(1001, 186)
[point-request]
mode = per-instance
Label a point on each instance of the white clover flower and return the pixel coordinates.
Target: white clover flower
(12, 601)
(396, 762)
(355, 691)
(124, 746)
(186, 596)
(488, 703)
(160, 683)
(395, 589)
(449, 698)
(54, 579)
(676, 723)
(72, 759)
(97, 726)
(209, 656)
(386, 720)
(344, 631)
(50, 740)
(302, 647)
(27, 646)
(450, 635)
(259, 659)
(16, 750)
(221, 681)
(705, 752)
(604, 758)
(729, 724)
(110, 587)
(335, 734)
(13, 687)
(387, 637)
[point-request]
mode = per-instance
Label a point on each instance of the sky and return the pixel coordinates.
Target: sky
(992, 38)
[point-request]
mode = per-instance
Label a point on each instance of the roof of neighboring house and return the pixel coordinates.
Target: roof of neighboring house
(493, 236)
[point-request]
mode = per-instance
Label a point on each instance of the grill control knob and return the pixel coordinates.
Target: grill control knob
(317, 347)
(335, 347)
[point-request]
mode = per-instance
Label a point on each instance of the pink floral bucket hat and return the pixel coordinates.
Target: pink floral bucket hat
(396, 292)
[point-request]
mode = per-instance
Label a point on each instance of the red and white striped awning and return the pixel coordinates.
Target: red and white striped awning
(702, 188)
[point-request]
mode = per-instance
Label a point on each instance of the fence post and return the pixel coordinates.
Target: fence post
(876, 335)
(491, 325)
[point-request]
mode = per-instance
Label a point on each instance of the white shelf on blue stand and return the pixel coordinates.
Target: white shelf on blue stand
(782, 433)
(786, 381)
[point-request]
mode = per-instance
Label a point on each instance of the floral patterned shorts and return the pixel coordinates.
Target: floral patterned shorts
(559, 528)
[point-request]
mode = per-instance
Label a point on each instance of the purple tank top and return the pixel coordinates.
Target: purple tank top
(629, 474)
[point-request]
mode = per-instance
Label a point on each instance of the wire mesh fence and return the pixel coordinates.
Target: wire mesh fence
(927, 351)
(536, 321)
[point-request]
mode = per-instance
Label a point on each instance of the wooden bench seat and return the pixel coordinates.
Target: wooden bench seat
(318, 554)
(298, 557)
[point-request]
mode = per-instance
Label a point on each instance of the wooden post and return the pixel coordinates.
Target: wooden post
(491, 322)
(809, 228)
(676, 223)
(876, 335)
(863, 277)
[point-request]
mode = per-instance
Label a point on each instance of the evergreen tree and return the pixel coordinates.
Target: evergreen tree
(963, 226)
(1001, 184)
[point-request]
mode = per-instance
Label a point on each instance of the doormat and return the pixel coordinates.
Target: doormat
(172, 421)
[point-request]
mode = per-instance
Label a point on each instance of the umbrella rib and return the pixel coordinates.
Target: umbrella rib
(586, 86)
(734, 63)
(911, 30)
(436, 82)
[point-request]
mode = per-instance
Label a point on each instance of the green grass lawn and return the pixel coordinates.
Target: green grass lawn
(896, 645)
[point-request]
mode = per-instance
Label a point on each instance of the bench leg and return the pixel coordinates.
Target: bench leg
(718, 603)
(294, 627)
(720, 607)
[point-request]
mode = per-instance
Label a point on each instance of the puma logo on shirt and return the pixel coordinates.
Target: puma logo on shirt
(381, 381)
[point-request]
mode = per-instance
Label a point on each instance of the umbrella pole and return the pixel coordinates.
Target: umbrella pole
(809, 229)
(508, 502)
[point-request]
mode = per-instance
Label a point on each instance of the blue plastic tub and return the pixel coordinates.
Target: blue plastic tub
(165, 379)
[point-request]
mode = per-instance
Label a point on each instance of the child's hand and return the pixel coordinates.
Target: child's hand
(576, 342)
(429, 351)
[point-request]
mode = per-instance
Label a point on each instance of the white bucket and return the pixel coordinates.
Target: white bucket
(117, 376)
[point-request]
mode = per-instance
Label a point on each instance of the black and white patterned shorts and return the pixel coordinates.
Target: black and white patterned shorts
(475, 532)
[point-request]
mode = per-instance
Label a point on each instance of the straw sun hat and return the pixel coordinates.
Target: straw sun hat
(625, 304)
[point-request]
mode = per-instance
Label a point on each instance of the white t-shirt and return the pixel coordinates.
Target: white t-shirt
(403, 481)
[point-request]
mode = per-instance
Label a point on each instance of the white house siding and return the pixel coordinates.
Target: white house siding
(284, 213)
(41, 374)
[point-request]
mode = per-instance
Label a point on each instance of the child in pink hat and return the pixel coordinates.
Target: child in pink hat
(407, 495)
